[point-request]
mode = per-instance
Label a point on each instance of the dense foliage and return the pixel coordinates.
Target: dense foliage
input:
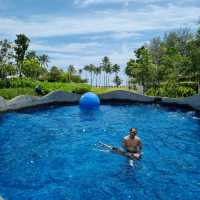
(168, 66)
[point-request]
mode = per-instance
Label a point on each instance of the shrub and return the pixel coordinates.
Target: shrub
(190, 84)
(82, 89)
(66, 87)
(17, 83)
(171, 91)
(4, 83)
(185, 91)
(78, 79)
(153, 92)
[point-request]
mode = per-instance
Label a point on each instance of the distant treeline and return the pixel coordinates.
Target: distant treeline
(16, 60)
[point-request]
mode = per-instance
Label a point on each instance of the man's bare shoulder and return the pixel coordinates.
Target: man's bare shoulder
(137, 139)
(126, 137)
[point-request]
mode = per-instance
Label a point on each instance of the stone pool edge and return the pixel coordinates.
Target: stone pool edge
(60, 97)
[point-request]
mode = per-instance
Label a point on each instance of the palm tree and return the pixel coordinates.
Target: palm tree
(80, 71)
(117, 81)
(106, 66)
(32, 55)
(90, 68)
(86, 69)
(116, 70)
(44, 60)
(71, 71)
(109, 72)
(98, 71)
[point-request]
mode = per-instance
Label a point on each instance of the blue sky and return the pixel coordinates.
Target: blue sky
(81, 32)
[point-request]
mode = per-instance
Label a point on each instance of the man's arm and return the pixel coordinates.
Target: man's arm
(124, 142)
(140, 146)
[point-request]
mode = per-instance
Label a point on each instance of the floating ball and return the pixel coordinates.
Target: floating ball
(89, 100)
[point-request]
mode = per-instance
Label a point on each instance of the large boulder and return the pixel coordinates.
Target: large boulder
(126, 96)
(192, 102)
(60, 97)
(22, 101)
(26, 101)
(3, 104)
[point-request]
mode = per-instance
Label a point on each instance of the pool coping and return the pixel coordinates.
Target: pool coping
(114, 97)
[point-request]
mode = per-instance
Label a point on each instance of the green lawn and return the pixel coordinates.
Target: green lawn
(104, 90)
(27, 87)
(10, 93)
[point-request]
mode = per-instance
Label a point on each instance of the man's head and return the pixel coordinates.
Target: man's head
(133, 132)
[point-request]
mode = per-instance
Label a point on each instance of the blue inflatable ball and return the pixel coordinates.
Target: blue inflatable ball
(89, 100)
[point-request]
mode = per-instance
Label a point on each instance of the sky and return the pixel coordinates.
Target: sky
(81, 32)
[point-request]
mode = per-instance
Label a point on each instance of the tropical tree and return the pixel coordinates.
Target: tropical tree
(98, 73)
(92, 70)
(6, 54)
(5, 51)
(7, 69)
(116, 70)
(71, 71)
(44, 60)
(86, 69)
(141, 67)
(107, 69)
(31, 68)
(55, 74)
(117, 81)
(194, 55)
(21, 46)
(80, 71)
(31, 55)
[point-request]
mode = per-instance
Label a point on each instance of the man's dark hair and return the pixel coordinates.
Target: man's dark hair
(131, 129)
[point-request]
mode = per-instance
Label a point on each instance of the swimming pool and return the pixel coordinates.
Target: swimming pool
(51, 154)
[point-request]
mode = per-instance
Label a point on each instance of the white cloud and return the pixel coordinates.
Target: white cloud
(117, 22)
(125, 2)
(119, 56)
(85, 3)
(69, 48)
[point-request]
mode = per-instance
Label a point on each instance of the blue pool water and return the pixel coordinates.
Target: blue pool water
(51, 154)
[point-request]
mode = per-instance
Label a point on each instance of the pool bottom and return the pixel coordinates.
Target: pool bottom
(51, 154)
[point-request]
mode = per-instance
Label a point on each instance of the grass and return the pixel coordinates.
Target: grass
(104, 90)
(10, 93)
(27, 87)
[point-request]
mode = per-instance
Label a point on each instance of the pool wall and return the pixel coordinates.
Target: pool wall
(60, 97)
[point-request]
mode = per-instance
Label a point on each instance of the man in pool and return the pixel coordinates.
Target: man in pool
(133, 144)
